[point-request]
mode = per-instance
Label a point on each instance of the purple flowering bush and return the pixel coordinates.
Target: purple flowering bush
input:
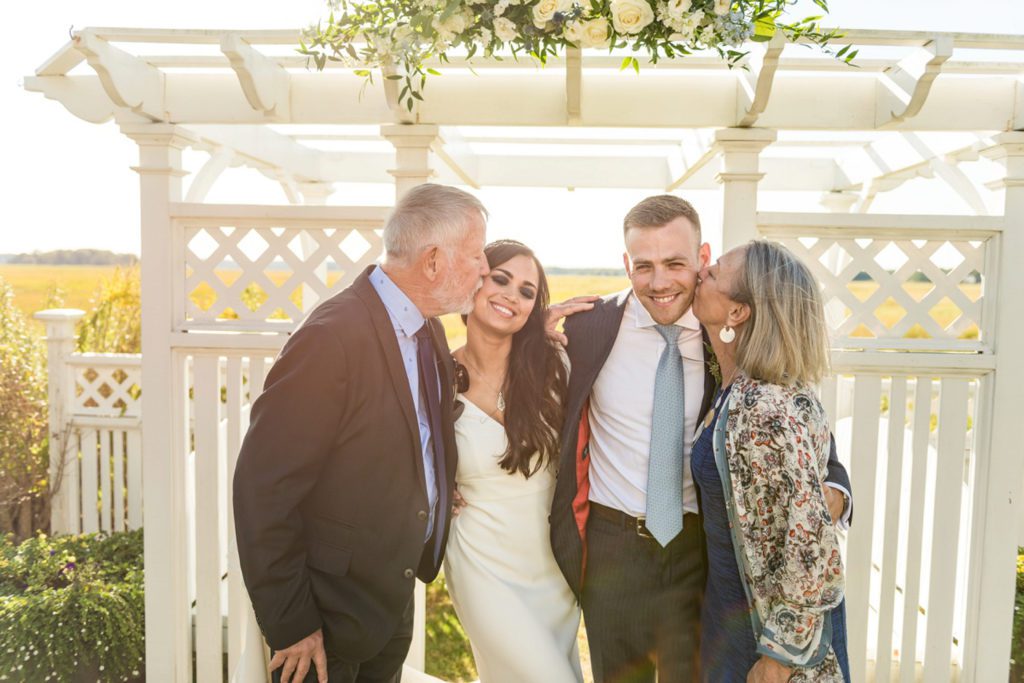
(72, 608)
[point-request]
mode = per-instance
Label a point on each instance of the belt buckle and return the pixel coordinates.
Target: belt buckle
(641, 528)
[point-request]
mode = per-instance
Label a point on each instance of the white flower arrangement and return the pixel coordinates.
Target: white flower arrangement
(400, 36)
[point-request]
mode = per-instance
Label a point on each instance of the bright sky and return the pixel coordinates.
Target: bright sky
(67, 183)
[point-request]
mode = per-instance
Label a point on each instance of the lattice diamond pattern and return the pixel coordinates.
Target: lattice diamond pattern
(259, 273)
(106, 390)
(908, 295)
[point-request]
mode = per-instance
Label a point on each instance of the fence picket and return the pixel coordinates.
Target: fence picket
(867, 394)
(207, 491)
(119, 480)
(90, 483)
(948, 488)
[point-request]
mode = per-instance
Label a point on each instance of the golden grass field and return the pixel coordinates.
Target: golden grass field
(34, 284)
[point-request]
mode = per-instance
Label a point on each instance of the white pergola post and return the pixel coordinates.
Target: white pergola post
(740, 172)
(168, 625)
(413, 167)
(413, 163)
(998, 509)
(60, 342)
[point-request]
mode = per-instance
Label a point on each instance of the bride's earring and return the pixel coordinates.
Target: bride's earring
(727, 335)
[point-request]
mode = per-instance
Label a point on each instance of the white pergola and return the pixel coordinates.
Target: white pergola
(931, 585)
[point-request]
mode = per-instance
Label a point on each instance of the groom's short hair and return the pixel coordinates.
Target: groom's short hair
(429, 215)
(659, 210)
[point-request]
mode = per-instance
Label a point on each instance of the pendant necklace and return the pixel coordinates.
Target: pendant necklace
(500, 403)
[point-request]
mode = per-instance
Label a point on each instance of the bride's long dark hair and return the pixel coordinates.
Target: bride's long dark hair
(536, 379)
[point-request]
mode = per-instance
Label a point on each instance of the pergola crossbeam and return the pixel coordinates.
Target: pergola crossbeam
(903, 89)
(265, 83)
(755, 84)
(127, 80)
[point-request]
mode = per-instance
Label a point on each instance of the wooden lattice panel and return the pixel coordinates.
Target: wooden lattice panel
(106, 385)
(898, 293)
(258, 274)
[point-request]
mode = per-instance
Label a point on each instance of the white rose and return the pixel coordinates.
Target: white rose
(544, 11)
(574, 32)
(500, 8)
(595, 33)
(505, 29)
(676, 8)
(631, 16)
(722, 7)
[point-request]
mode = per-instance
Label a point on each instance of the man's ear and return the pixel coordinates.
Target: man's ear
(430, 263)
(626, 264)
(738, 314)
(704, 255)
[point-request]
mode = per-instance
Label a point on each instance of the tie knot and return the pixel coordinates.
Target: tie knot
(424, 332)
(669, 332)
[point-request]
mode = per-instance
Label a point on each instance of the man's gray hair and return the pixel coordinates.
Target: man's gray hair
(429, 215)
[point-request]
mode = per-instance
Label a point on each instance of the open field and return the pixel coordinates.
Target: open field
(34, 284)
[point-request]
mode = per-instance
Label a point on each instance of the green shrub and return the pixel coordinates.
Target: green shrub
(24, 458)
(72, 606)
(115, 323)
(1017, 644)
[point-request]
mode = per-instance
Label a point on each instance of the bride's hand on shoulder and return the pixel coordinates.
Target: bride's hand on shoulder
(556, 312)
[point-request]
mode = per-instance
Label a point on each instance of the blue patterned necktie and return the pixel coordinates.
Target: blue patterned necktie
(665, 469)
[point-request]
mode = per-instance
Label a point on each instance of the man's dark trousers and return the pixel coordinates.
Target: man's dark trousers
(385, 667)
(641, 602)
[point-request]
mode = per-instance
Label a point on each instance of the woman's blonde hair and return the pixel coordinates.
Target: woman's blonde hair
(785, 339)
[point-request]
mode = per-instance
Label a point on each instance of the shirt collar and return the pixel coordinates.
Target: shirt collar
(642, 317)
(401, 309)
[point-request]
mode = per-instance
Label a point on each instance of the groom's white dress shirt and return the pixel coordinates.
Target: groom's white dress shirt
(621, 409)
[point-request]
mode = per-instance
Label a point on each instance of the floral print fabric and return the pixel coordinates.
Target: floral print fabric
(776, 447)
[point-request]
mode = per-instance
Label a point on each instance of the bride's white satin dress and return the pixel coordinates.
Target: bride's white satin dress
(518, 611)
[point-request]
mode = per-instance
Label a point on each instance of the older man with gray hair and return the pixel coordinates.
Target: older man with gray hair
(343, 488)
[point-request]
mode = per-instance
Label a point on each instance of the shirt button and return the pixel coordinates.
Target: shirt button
(408, 573)
(422, 514)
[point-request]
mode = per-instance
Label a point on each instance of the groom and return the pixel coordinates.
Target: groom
(625, 526)
(343, 487)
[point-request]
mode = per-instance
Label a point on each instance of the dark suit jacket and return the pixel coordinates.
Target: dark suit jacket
(591, 337)
(329, 492)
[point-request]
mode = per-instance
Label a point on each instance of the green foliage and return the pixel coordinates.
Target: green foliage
(115, 323)
(24, 459)
(400, 36)
(1017, 644)
(448, 653)
(72, 606)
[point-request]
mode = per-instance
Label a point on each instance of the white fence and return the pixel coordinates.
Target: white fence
(910, 301)
(911, 413)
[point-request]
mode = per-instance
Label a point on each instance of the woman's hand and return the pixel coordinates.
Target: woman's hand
(768, 670)
(458, 502)
(556, 312)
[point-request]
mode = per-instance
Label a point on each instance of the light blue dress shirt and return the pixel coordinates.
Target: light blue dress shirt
(407, 320)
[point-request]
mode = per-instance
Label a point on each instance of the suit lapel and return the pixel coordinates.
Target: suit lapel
(385, 331)
(601, 335)
(446, 375)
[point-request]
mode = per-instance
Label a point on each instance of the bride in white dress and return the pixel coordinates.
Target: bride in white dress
(509, 594)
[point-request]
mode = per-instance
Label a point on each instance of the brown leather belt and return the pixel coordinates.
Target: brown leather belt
(629, 522)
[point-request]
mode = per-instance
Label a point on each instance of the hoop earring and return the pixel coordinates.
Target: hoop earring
(727, 334)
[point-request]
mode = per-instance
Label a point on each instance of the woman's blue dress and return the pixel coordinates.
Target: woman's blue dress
(727, 647)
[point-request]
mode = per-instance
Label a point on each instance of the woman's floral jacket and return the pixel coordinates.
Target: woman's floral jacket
(771, 448)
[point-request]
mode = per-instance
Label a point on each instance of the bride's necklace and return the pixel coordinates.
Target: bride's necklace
(500, 403)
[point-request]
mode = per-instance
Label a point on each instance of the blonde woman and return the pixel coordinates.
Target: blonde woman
(773, 609)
